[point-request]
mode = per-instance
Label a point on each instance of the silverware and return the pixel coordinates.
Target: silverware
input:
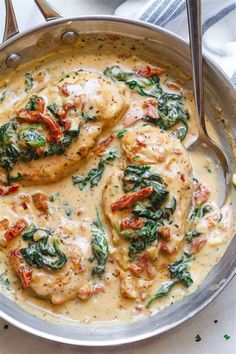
(203, 143)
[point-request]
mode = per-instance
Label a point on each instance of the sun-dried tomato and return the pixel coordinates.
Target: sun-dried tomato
(128, 200)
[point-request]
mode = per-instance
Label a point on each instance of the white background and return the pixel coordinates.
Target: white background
(181, 340)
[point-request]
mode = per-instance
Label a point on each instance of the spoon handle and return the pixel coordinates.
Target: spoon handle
(195, 37)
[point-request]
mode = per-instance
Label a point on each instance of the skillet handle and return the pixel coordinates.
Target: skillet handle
(11, 26)
(48, 12)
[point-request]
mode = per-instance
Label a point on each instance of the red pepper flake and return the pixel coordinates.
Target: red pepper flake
(23, 271)
(141, 143)
(9, 189)
(182, 177)
(126, 202)
(134, 224)
(149, 72)
(16, 229)
(104, 144)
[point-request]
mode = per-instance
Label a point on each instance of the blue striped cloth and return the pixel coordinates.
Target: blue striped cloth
(218, 25)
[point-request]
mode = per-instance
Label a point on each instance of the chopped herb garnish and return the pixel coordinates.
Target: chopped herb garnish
(226, 336)
(121, 133)
(53, 197)
(99, 246)
(198, 338)
(95, 175)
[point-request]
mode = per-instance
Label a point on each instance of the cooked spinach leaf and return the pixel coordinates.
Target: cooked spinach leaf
(200, 211)
(120, 133)
(9, 148)
(44, 252)
(99, 246)
(170, 107)
(164, 290)
(3, 96)
(144, 86)
(171, 110)
(13, 179)
(32, 105)
(95, 175)
(60, 148)
(179, 270)
(41, 254)
(4, 281)
(53, 109)
(29, 81)
(134, 179)
(142, 238)
(138, 177)
(32, 138)
(179, 273)
(190, 235)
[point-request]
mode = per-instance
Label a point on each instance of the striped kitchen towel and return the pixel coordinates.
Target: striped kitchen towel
(218, 25)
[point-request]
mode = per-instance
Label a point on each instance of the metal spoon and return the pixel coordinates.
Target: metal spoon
(204, 142)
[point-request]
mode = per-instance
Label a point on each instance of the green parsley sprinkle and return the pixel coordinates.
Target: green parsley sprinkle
(226, 336)
(198, 338)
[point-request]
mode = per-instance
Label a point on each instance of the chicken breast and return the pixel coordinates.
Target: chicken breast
(66, 118)
(63, 276)
(157, 166)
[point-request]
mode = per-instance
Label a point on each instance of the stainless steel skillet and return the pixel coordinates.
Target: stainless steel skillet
(34, 43)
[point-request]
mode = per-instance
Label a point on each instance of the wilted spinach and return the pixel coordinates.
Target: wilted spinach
(9, 147)
(179, 270)
(29, 81)
(95, 175)
(170, 107)
(144, 86)
(164, 290)
(179, 273)
(99, 246)
(44, 252)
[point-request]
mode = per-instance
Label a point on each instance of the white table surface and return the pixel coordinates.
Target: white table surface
(178, 341)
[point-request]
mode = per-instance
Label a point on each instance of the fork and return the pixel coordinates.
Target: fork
(204, 142)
